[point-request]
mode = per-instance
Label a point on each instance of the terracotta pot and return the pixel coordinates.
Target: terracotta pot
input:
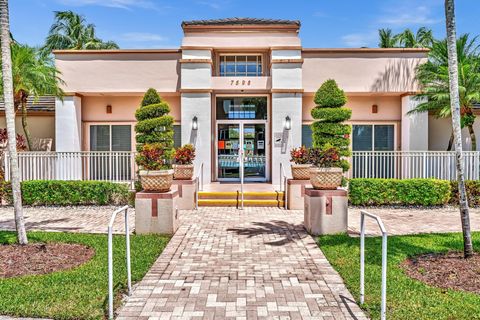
(156, 180)
(183, 171)
(301, 171)
(326, 178)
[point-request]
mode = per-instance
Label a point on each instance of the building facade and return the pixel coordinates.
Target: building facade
(239, 82)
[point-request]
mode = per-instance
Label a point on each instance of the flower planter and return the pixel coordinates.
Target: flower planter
(156, 180)
(301, 171)
(326, 178)
(183, 171)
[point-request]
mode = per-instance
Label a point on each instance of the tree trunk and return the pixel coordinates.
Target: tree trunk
(473, 138)
(450, 142)
(455, 106)
(10, 121)
(25, 123)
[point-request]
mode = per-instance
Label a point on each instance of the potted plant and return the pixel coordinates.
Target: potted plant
(326, 172)
(183, 167)
(154, 143)
(300, 165)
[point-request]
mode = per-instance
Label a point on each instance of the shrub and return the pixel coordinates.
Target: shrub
(473, 192)
(21, 141)
(66, 193)
(299, 155)
(185, 154)
(376, 192)
(330, 113)
(154, 133)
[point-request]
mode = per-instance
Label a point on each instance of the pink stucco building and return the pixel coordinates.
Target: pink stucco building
(242, 82)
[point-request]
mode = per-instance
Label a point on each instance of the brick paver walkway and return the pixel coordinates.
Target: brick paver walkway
(253, 264)
(86, 219)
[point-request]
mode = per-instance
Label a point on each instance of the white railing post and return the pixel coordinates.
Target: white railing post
(383, 311)
(110, 258)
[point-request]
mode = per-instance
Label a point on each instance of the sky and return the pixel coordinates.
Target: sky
(325, 23)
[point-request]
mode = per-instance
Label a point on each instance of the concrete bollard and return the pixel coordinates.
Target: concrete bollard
(326, 211)
(156, 212)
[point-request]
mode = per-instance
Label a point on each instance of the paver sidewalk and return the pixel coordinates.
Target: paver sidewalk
(258, 263)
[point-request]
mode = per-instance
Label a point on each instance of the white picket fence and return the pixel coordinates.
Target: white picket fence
(120, 166)
(412, 164)
(89, 165)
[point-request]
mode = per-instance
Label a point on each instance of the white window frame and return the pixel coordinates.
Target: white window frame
(110, 124)
(373, 124)
(259, 56)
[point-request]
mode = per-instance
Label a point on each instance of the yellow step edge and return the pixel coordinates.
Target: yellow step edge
(233, 203)
(218, 194)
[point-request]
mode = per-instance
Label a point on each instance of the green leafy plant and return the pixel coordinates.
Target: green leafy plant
(330, 113)
(68, 193)
(473, 192)
(154, 133)
(376, 192)
(327, 157)
(185, 154)
(299, 155)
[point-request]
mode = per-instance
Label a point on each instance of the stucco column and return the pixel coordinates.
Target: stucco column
(198, 105)
(68, 136)
(286, 102)
(414, 126)
(283, 105)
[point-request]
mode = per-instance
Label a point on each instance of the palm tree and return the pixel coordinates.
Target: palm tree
(34, 74)
(456, 114)
(70, 31)
(433, 77)
(423, 38)
(387, 38)
(10, 120)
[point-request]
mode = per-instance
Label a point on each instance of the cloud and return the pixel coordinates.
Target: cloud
(401, 17)
(121, 4)
(142, 37)
(359, 39)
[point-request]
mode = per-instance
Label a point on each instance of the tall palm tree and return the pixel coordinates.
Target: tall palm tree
(423, 38)
(387, 39)
(34, 75)
(433, 77)
(71, 31)
(10, 120)
(455, 105)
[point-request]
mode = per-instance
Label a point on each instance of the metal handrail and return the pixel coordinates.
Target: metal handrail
(283, 177)
(110, 258)
(363, 213)
(198, 186)
(241, 173)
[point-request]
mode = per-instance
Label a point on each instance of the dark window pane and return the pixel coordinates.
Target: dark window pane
(306, 136)
(100, 138)
(121, 138)
(384, 138)
(362, 138)
(242, 108)
(177, 136)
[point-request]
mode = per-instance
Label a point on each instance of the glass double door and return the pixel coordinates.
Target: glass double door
(246, 139)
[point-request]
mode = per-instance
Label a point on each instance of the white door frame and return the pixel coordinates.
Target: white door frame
(241, 124)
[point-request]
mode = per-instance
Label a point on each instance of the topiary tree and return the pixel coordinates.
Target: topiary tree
(154, 130)
(330, 113)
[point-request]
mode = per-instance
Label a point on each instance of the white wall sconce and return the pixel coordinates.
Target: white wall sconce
(288, 123)
(195, 123)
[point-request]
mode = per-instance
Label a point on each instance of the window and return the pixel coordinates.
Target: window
(177, 136)
(373, 137)
(232, 108)
(246, 65)
(110, 138)
(307, 136)
(116, 166)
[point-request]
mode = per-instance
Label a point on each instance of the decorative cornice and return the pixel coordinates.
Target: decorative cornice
(196, 90)
(209, 61)
(287, 90)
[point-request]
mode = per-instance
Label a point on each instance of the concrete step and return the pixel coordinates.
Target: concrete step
(250, 195)
(235, 203)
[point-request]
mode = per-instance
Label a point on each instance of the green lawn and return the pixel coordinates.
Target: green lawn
(80, 293)
(406, 298)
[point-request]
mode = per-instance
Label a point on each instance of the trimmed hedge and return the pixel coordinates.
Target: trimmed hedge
(473, 193)
(377, 192)
(67, 193)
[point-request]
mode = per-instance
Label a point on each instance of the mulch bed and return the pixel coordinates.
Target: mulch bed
(447, 271)
(41, 258)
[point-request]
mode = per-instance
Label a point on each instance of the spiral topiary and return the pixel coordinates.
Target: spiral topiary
(330, 113)
(154, 130)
